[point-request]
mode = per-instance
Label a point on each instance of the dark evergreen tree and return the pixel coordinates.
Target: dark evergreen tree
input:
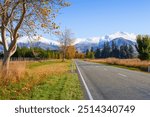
(97, 53)
(131, 52)
(106, 50)
(126, 49)
(114, 50)
(103, 53)
(87, 53)
(143, 47)
(91, 54)
(122, 52)
(92, 49)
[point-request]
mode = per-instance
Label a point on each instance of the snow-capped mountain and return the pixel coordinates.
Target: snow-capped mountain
(81, 44)
(37, 41)
(86, 40)
(82, 47)
(125, 35)
(120, 38)
(122, 41)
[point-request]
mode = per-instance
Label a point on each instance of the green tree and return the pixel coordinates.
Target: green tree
(143, 47)
(123, 52)
(114, 50)
(106, 50)
(97, 53)
(87, 53)
(131, 52)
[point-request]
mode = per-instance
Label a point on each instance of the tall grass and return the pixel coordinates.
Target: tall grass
(136, 63)
(16, 71)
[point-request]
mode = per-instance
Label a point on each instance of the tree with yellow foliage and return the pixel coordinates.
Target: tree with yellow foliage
(70, 52)
(25, 17)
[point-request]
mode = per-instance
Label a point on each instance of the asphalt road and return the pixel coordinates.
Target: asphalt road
(102, 82)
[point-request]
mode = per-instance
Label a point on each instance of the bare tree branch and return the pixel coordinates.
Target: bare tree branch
(15, 36)
(14, 7)
(65, 40)
(11, 33)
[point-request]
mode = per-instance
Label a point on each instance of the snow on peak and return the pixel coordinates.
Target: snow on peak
(34, 39)
(87, 40)
(125, 35)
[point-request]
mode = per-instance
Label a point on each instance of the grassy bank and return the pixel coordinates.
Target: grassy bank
(48, 80)
(132, 64)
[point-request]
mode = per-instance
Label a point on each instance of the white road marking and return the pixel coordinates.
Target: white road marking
(105, 69)
(122, 75)
(86, 87)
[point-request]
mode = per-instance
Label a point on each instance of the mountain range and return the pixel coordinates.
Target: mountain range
(119, 38)
(81, 44)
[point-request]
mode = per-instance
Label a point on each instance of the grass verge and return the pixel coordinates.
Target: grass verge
(46, 80)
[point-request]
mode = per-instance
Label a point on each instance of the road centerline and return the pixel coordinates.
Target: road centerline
(122, 75)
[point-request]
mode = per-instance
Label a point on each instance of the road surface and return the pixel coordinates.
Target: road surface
(102, 82)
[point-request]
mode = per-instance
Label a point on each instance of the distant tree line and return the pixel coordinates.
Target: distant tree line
(90, 53)
(35, 52)
(40, 53)
(125, 51)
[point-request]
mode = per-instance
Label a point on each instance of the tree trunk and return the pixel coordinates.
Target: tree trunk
(64, 56)
(5, 64)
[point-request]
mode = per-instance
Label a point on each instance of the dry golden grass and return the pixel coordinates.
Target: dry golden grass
(49, 69)
(17, 71)
(124, 62)
(39, 74)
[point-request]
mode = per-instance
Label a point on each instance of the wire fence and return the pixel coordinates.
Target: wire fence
(24, 59)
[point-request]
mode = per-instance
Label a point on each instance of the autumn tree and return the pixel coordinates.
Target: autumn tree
(70, 52)
(25, 17)
(65, 39)
(79, 55)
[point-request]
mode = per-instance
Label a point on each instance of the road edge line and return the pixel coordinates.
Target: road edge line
(85, 85)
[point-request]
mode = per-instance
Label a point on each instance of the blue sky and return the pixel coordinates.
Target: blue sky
(89, 18)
